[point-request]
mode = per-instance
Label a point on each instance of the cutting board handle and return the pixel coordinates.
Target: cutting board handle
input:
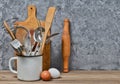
(31, 21)
(31, 11)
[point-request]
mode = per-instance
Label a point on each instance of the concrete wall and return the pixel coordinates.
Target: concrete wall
(95, 31)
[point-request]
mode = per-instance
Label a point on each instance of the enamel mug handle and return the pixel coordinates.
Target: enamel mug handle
(10, 64)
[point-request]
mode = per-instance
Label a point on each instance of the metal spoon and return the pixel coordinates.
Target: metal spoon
(38, 36)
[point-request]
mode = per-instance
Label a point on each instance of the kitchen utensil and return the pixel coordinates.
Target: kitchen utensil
(9, 31)
(34, 47)
(48, 22)
(50, 38)
(38, 36)
(27, 39)
(17, 47)
(27, 44)
(66, 45)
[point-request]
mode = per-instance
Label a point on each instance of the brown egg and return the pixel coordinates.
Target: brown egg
(45, 75)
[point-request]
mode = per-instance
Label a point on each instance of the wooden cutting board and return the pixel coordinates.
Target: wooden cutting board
(31, 23)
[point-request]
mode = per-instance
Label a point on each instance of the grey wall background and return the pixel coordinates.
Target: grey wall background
(95, 31)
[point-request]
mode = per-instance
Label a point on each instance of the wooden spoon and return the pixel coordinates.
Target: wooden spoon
(48, 22)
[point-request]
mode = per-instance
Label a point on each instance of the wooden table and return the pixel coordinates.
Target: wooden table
(73, 77)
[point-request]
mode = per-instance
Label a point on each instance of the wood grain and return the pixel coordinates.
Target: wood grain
(45, 48)
(48, 23)
(31, 23)
(66, 45)
(9, 31)
(76, 77)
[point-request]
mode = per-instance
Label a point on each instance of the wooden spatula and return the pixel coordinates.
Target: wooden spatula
(9, 31)
(48, 22)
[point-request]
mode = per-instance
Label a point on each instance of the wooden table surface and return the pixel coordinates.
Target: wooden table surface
(73, 77)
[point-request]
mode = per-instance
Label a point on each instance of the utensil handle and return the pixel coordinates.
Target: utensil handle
(8, 29)
(43, 43)
(10, 64)
(34, 47)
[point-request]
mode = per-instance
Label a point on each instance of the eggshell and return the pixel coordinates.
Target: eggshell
(55, 73)
(45, 75)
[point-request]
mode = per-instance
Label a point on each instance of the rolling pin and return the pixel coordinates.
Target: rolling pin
(66, 45)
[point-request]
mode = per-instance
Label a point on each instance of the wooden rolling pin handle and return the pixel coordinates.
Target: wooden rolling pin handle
(66, 46)
(66, 64)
